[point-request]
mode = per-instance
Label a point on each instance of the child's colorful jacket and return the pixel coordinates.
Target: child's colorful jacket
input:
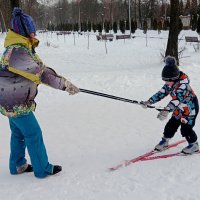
(21, 71)
(184, 103)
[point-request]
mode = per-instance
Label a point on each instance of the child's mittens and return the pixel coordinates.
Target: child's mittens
(145, 104)
(162, 115)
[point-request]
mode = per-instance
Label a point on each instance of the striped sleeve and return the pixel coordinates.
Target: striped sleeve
(162, 93)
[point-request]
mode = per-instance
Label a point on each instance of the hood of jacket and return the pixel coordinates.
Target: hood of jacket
(13, 38)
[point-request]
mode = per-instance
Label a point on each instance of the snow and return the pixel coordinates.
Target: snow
(47, 2)
(87, 134)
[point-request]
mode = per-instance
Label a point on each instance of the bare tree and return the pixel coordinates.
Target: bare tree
(187, 8)
(172, 44)
(14, 3)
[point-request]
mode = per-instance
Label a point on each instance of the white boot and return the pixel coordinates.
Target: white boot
(162, 145)
(191, 148)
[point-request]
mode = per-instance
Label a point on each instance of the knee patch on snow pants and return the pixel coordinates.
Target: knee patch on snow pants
(188, 133)
(171, 127)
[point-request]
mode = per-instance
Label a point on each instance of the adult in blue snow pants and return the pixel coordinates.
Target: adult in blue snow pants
(26, 132)
(21, 71)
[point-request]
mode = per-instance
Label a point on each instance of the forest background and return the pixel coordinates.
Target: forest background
(102, 15)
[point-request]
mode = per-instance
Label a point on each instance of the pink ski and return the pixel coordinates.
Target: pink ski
(168, 156)
(128, 162)
(142, 157)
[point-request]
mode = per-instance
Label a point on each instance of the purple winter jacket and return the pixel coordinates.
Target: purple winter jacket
(17, 93)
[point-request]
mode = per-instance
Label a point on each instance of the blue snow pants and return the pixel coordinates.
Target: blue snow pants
(26, 132)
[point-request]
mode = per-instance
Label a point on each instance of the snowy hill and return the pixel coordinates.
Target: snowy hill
(87, 134)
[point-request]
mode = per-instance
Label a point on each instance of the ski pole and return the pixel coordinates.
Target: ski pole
(117, 98)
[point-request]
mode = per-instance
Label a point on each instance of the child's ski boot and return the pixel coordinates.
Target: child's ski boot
(162, 145)
(191, 148)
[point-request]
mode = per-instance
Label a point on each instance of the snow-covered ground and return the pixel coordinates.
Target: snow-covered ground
(87, 134)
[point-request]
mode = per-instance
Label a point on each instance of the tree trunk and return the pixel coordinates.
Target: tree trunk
(139, 12)
(14, 3)
(172, 44)
(135, 10)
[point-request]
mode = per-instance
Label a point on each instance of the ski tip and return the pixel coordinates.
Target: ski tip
(114, 168)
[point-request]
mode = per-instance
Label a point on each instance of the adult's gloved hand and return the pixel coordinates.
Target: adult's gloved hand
(70, 88)
(144, 104)
(162, 115)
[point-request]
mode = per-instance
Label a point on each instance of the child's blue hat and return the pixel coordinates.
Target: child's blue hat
(170, 71)
(22, 23)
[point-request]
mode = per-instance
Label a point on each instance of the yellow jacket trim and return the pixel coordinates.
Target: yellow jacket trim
(14, 38)
(34, 78)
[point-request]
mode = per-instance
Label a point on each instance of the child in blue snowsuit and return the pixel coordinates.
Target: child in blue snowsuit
(184, 106)
(21, 71)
